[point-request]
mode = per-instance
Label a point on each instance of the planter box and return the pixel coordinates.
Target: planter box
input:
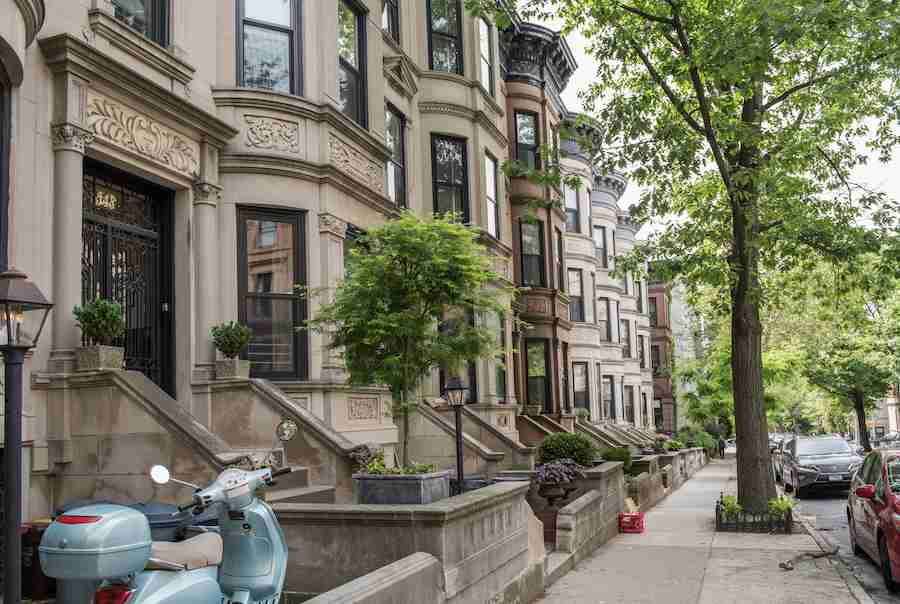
(413, 489)
(748, 522)
(96, 358)
(229, 369)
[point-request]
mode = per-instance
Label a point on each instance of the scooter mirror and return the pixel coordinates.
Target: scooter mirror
(159, 474)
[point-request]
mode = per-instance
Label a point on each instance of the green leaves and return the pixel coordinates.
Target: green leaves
(101, 321)
(230, 338)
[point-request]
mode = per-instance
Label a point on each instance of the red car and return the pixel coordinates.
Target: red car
(873, 513)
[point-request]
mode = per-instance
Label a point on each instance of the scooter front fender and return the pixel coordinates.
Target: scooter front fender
(199, 586)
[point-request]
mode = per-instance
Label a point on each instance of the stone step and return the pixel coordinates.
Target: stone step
(314, 494)
(297, 479)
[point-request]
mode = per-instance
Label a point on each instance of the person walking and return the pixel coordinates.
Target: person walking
(721, 447)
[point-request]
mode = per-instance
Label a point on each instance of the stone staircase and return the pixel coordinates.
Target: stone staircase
(517, 456)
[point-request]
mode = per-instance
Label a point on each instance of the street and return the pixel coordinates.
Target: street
(829, 509)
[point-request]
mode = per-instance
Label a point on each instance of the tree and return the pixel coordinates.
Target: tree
(741, 119)
(415, 297)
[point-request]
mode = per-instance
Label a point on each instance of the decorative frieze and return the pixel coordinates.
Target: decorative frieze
(69, 137)
(534, 305)
(272, 134)
(363, 409)
(125, 128)
(350, 161)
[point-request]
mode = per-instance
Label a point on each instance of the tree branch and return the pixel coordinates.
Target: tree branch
(837, 171)
(645, 15)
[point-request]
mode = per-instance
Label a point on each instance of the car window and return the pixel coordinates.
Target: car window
(822, 446)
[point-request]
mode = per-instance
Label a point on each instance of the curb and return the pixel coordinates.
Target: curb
(826, 545)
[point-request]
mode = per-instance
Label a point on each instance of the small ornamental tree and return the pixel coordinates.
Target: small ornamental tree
(101, 321)
(392, 317)
(230, 338)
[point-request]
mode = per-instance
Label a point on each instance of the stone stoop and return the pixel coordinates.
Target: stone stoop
(517, 456)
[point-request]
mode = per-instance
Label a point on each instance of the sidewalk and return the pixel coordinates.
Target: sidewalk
(680, 559)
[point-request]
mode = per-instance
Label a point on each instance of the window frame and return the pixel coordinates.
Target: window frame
(653, 311)
(360, 11)
(464, 187)
(548, 400)
(587, 386)
(576, 302)
(628, 403)
(490, 159)
(460, 53)
(608, 408)
(158, 26)
(402, 200)
(559, 255)
(657, 368)
(500, 367)
(604, 256)
(536, 148)
(490, 87)
(539, 225)
(391, 8)
(625, 338)
(573, 215)
(642, 350)
(639, 292)
(606, 334)
(296, 34)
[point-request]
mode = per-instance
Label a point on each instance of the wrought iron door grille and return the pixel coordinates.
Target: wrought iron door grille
(122, 260)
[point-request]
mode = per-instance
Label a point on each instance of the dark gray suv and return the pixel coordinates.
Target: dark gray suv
(818, 461)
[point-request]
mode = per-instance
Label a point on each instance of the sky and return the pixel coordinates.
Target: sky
(876, 175)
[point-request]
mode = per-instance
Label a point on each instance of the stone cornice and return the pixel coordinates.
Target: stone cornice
(66, 53)
(479, 117)
(615, 182)
(143, 49)
(33, 13)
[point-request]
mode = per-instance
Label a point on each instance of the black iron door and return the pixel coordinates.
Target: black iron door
(127, 258)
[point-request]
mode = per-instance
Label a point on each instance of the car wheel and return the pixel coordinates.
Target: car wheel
(885, 562)
(854, 546)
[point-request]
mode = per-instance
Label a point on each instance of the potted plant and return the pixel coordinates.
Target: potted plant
(230, 339)
(102, 325)
(414, 484)
(555, 482)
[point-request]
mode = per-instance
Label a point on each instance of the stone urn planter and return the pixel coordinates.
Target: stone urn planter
(230, 369)
(401, 489)
(98, 358)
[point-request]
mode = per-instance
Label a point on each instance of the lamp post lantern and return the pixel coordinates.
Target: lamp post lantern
(456, 396)
(23, 313)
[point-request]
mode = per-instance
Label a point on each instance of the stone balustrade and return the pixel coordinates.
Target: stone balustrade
(412, 580)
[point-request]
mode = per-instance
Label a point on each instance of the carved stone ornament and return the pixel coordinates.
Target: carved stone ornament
(206, 191)
(69, 137)
(128, 129)
(537, 306)
(329, 223)
(272, 134)
(350, 161)
(362, 409)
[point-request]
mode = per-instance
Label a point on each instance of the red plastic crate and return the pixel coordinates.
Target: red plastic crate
(631, 522)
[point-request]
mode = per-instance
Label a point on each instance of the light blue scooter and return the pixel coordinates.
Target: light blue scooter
(242, 563)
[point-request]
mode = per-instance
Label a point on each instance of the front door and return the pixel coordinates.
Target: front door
(126, 257)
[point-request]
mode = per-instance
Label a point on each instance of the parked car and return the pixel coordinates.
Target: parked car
(817, 461)
(872, 506)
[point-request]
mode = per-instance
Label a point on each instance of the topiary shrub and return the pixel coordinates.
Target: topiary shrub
(566, 445)
(101, 321)
(622, 454)
(230, 338)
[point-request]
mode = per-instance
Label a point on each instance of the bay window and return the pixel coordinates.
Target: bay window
(351, 62)
(486, 51)
(532, 236)
(603, 320)
(450, 186)
(527, 139)
(269, 48)
(573, 215)
(600, 245)
(445, 36)
(576, 295)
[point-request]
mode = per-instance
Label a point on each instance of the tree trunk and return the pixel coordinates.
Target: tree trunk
(859, 406)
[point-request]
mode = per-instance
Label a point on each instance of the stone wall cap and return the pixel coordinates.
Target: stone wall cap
(607, 467)
(439, 474)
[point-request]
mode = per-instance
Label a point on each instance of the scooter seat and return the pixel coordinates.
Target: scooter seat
(197, 552)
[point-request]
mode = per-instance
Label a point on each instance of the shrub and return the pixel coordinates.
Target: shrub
(362, 455)
(565, 445)
(622, 454)
(377, 467)
(694, 437)
(674, 445)
(583, 415)
(730, 506)
(779, 506)
(101, 321)
(230, 338)
(559, 471)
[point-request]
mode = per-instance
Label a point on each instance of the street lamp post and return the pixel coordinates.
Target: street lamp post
(23, 313)
(456, 396)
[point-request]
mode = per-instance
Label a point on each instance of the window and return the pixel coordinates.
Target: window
(593, 305)
(619, 319)
(395, 170)
(609, 397)
(451, 184)
(576, 295)
(560, 270)
(486, 49)
(269, 51)
(626, 337)
(148, 17)
(532, 254)
(657, 414)
(351, 62)
(527, 140)
(600, 245)
(390, 19)
(580, 385)
(573, 216)
(654, 314)
(655, 360)
(645, 410)
(603, 321)
(536, 359)
(629, 404)
(625, 282)
(445, 36)
(501, 362)
(642, 351)
(639, 291)
(565, 377)
(492, 208)
(269, 301)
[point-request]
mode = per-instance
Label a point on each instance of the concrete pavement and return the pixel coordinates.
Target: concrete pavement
(680, 559)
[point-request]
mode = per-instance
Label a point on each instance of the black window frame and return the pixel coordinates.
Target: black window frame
(491, 62)
(639, 292)
(559, 255)
(656, 361)
(573, 215)
(521, 148)
(601, 251)
(360, 11)
(300, 337)
(464, 187)
(548, 400)
(645, 410)
(157, 25)
(642, 350)
(458, 37)
(401, 200)
(584, 400)
(576, 303)
(390, 9)
(488, 157)
(628, 402)
(625, 337)
(593, 306)
(608, 407)
(541, 259)
(606, 334)
(653, 311)
(500, 370)
(296, 34)
(658, 416)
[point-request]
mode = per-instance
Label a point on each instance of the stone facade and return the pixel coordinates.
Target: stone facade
(665, 407)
